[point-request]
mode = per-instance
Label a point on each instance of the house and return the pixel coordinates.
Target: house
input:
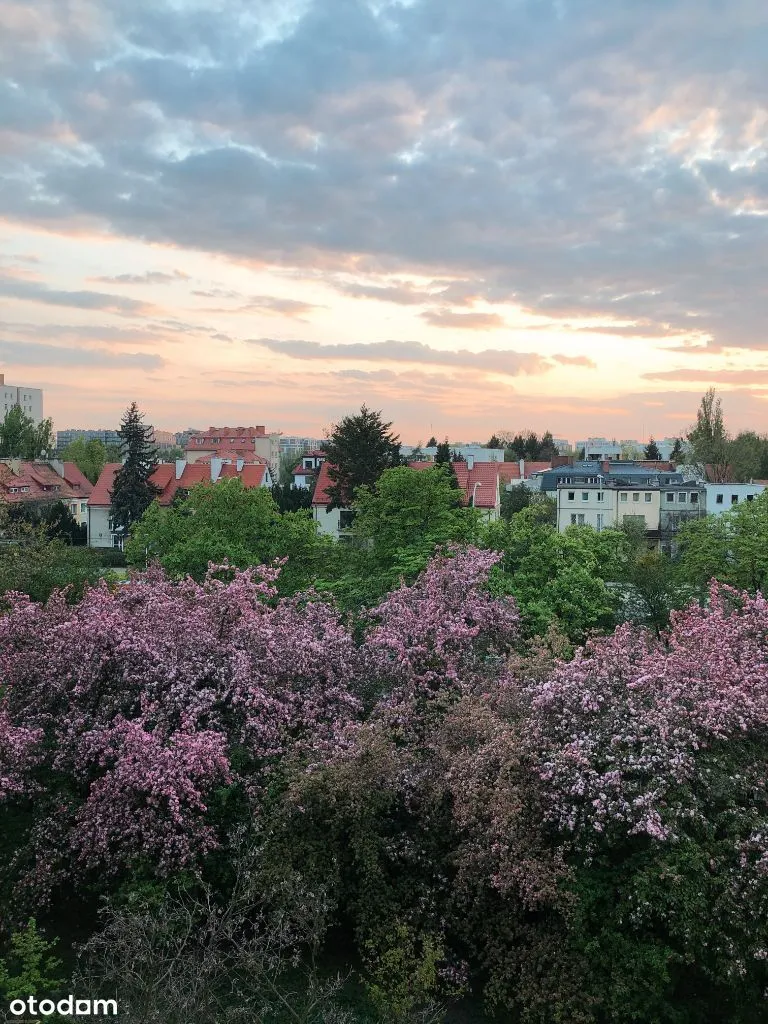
(722, 497)
(479, 484)
(175, 480)
(43, 483)
(305, 474)
(661, 503)
(240, 441)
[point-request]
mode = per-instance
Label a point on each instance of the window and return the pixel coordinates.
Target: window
(694, 498)
(682, 498)
(647, 496)
(636, 496)
(750, 497)
(719, 499)
(669, 497)
(623, 496)
(573, 518)
(346, 518)
(585, 495)
(600, 495)
(581, 520)
(571, 495)
(599, 521)
(734, 499)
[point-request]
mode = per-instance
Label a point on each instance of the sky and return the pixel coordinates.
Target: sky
(472, 216)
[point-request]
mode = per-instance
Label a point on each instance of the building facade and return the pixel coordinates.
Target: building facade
(226, 442)
(723, 497)
(65, 437)
(43, 483)
(29, 400)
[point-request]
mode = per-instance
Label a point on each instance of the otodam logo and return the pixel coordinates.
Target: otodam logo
(31, 1006)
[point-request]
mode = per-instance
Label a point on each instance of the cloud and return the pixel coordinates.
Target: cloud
(270, 304)
(12, 354)
(463, 321)
(575, 361)
(493, 360)
(604, 161)
(33, 291)
(756, 377)
(149, 277)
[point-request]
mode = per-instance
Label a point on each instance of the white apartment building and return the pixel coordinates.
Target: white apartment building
(723, 497)
(29, 399)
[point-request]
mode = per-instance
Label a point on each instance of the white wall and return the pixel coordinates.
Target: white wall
(726, 493)
(99, 533)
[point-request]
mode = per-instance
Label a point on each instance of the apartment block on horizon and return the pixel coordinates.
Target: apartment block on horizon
(229, 442)
(29, 400)
(65, 437)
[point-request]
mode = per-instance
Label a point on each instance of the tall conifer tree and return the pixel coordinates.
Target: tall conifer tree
(133, 491)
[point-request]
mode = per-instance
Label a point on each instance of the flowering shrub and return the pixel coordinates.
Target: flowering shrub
(588, 835)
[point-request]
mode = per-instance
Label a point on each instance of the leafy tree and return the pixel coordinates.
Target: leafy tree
(89, 457)
(55, 519)
(227, 522)
(288, 462)
(113, 453)
(746, 456)
(21, 438)
(171, 454)
(133, 490)
(443, 454)
(709, 439)
(731, 548)
(290, 498)
(514, 499)
(493, 442)
(30, 969)
(652, 451)
(358, 451)
(677, 454)
(407, 514)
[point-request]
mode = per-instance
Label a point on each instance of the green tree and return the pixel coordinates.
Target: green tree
(22, 438)
(651, 451)
(556, 577)
(290, 498)
(746, 456)
(709, 441)
(226, 521)
(30, 968)
(358, 451)
(677, 454)
(443, 454)
(133, 490)
(493, 442)
(89, 457)
(408, 513)
(513, 500)
(432, 442)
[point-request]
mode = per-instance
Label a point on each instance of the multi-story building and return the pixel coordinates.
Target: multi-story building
(466, 451)
(228, 442)
(164, 439)
(175, 480)
(723, 497)
(306, 473)
(42, 483)
(660, 502)
(29, 400)
(65, 437)
(290, 445)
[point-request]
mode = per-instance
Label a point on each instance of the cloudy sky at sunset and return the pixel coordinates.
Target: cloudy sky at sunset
(470, 215)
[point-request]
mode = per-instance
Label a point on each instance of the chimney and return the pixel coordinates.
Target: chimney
(58, 466)
(470, 462)
(522, 469)
(2, 378)
(180, 466)
(216, 465)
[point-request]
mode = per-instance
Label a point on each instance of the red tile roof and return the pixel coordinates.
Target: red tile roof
(484, 474)
(164, 477)
(42, 481)
(247, 456)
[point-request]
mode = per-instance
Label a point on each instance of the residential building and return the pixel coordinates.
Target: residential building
(291, 445)
(466, 451)
(65, 437)
(239, 441)
(29, 400)
(723, 497)
(599, 449)
(164, 439)
(175, 480)
(662, 502)
(306, 473)
(43, 483)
